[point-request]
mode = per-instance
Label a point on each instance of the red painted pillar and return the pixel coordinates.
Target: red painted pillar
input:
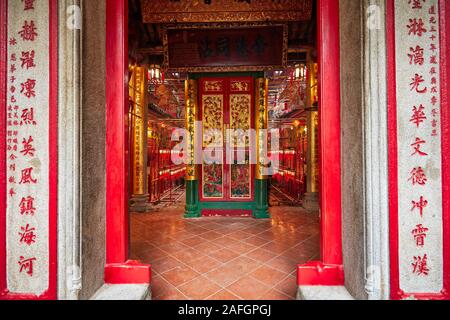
(329, 271)
(118, 268)
(330, 148)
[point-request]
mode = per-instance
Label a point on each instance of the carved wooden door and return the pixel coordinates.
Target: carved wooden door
(226, 103)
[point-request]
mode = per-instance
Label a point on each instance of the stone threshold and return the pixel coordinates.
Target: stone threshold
(323, 293)
(124, 292)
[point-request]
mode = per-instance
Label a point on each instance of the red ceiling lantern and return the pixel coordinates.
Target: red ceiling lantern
(300, 72)
(155, 75)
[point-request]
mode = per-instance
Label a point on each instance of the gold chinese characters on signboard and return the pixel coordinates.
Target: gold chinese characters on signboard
(225, 47)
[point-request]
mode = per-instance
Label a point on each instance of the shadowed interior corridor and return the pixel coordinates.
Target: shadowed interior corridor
(223, 258)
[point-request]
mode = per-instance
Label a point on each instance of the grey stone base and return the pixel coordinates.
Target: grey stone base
(311, 202)
(139, 203)
(323, 293)
(123, 292)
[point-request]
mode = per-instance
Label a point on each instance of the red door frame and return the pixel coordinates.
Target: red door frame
(118, 269)
(444, 16)
(328, 271)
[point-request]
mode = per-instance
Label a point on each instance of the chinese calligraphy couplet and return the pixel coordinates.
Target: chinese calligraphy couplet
(27, 152)
(420, 210)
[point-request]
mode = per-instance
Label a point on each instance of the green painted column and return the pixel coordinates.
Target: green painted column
(192, 200)
(192, 204)
(261, 200)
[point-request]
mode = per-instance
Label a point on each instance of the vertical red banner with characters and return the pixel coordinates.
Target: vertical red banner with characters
(418, 148)
(28, 149)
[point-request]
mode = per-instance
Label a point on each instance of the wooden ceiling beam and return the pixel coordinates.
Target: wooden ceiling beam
(159, 50)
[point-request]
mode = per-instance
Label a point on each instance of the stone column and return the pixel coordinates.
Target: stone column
(69, 148)
(139, 201)
(261, 121)
(376, 181)
(192, 200)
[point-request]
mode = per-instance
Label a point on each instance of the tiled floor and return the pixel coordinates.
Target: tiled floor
(224, 258)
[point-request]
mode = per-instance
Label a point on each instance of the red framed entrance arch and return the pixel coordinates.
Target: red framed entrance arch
(119, 269)
(328, 271)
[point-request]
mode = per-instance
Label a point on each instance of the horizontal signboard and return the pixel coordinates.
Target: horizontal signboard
(204, 49)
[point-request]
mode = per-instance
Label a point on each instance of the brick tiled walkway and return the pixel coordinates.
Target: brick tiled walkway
(224, 258)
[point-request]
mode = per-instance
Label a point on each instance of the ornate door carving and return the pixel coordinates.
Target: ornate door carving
(226, 112)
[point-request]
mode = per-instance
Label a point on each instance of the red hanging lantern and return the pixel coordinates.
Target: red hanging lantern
(155, 75)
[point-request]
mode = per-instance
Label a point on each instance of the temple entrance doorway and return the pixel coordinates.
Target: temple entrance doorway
(196, 244)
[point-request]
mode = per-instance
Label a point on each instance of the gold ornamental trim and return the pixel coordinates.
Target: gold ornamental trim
(261, 123)
(188, 11)
(138, 89)
(213, 120)
(191, 89)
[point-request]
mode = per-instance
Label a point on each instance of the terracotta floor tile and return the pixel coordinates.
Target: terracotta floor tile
(183, 235)
(271, 233)
(199, 289)
(173, 247)
(283, 264)
(268, 275)
(137, 237)
(248, 289)
(299, 256)
(165, 264)
(210, 225)
(224, 255)
(159, 240)
(140, 245)
(274, 295)
(225, 230)
(187, 255)
(224, 295)
(160, 286)
(224, 241)
(276, 246)
(151, 254)
(257, 241)
(212, 235)
(171, 294)
(260, 255)
(240, 235)
(288, 286)
(195, 229)
(256, 230)
(241, 247)
(193, 241)
(243, 265)
(224, 258)
(225, 275)
(204, 264)
(207, 247)
(180, 275)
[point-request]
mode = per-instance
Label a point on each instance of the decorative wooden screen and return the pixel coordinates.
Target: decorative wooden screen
(227, 173)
